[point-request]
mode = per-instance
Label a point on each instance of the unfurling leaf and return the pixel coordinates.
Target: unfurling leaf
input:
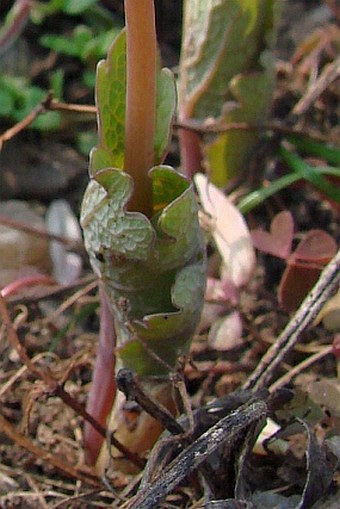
(304, 265)
(154, 272)
(148, 251)
(153, 269)
(110, 99)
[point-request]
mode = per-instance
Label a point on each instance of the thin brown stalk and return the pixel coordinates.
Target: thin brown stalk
(72, 245)
(140, 100)
(219, 127)
(20, 126)
(55, 387)
(21, 440)
(326, 285)
(55, 105)
(287, 377)
(47, 104)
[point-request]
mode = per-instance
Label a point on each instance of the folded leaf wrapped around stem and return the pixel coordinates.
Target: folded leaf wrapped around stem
(150, 259)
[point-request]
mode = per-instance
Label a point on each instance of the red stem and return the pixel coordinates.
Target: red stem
(103, 387)
(191, 153)
(140, 100)
(26, 281)
(20, 15)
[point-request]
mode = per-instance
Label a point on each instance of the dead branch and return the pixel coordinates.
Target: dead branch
(56, 388)
(227, 429)
(304, 316)
(44, 455)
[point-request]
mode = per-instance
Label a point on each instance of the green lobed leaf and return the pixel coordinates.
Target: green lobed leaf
(73, 46)
(227, 155)
(110, 100)
(154, 272)
(18, 97)
(165, 107)
(6, 103)
(76, 7)
(227, 66)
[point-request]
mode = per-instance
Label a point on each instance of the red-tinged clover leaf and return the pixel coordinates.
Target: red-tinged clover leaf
(304, 267)
(154, 271)
(317, 247)
(277, 242)
(297, 280)
(229, 231)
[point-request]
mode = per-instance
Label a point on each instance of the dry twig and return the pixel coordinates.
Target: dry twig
(72, 245)
(227, 429)
(55, 387)
(330, 73)
(307, 312)
(22, 441)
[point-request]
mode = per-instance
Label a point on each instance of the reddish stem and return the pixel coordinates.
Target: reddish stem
(191, 153)
(140, 100)
(19, 16)
(24, 282)
(103, 387)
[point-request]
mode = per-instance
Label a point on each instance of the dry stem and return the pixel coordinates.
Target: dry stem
(55, 387)
(44, 455)
(307, 312)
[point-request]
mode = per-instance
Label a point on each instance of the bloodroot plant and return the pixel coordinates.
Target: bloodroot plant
(141, 231)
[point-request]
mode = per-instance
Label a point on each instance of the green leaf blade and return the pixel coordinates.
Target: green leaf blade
(227, 74)
(110, 100)
(154, 272)
(165, 108)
